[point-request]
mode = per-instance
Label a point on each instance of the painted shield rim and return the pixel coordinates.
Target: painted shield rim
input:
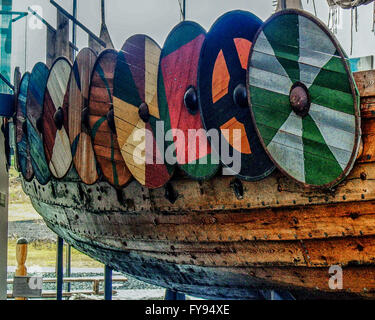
(44, 144)
(102, 176)
(244, 178)
(172, 166)
(354, 90)
(176, 27)
(27, 140)
(68, 111)
(42, 140)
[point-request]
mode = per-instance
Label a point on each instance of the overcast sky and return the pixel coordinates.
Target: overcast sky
(157, 17)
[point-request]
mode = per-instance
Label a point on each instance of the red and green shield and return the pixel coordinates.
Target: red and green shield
(177, 75)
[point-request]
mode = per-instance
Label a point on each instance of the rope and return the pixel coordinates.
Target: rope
(348, 4)
(181, 10)
(315, 12)
(353, 6)
(333, 18)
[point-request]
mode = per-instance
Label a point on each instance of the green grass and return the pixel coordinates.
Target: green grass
(43, 254)
(40, 253)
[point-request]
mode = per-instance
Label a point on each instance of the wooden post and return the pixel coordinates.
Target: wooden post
(21, 256)
(104, 34)
(51, 48)
(95, 287)
(62, 36)
(74, 26)
(289, 4)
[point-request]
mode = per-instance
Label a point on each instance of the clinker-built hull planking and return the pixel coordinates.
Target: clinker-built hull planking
(215, 240)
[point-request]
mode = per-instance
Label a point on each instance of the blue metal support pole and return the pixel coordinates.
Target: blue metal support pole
(68, 266)
(174, 295)
(107, 283)
(59, 268)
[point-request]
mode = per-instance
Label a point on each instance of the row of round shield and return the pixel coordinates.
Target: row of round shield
(285, 85)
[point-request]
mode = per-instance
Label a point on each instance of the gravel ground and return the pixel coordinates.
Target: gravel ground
(131, 284)
(36, 230)
(32, 230)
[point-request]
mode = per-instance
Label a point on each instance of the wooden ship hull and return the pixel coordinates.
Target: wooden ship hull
(211, 244)
(224, 238)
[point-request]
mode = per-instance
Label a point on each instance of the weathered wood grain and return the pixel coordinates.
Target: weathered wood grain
(365, 81)
(105, 143)
(293, 264)
(56, 141)
(317, 149)
(222, 68)
(215, 242)
(79, 135)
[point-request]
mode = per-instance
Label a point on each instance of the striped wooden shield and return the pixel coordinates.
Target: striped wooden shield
(23, 148)
(34, 111)
(78, 123)
(137, 115)
(222, 95)
(303, 99)
(55, 132)
(177, 78)
(103, 132)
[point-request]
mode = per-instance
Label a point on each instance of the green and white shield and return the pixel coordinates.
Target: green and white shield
(303, 99)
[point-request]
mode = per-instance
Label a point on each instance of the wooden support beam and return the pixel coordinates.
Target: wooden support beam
(62, 36)
(104, 34)
(78, 23)
(51, 54)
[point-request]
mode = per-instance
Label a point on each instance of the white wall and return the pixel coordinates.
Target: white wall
(157, 17)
